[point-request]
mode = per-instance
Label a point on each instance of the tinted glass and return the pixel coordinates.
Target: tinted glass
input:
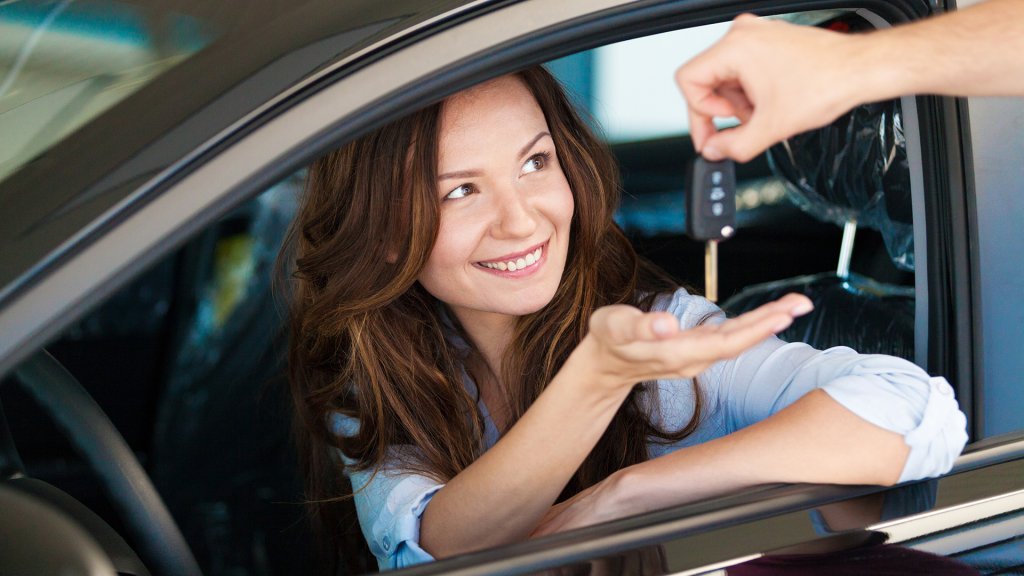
(62, 63)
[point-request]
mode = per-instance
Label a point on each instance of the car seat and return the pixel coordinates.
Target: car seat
(222, 453)
(853, 173)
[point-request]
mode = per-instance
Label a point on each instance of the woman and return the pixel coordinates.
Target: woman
(495, 345)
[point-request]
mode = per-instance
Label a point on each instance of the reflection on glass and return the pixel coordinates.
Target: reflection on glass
(63, 63)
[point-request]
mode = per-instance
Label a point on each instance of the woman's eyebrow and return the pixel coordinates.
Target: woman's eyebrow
(532, 142)
(459, 174)
(475, 173)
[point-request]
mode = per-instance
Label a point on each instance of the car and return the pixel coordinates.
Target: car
(150, 160)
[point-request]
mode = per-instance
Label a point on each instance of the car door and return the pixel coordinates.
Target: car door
(283, 130)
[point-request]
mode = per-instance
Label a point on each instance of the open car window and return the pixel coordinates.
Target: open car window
(810, 218)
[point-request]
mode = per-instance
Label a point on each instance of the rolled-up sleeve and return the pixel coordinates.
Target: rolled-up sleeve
(886, 391)
(390, 503)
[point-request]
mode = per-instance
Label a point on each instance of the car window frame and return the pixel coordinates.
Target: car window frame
(111, 260)
(274, 145)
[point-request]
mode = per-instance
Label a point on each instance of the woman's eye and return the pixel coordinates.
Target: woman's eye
(459, 192)
(536, 163)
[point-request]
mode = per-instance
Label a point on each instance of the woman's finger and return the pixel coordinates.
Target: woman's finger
(694, 350)
(790, 305)
(625, 324)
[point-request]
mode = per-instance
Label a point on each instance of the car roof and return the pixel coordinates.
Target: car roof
(262, 50)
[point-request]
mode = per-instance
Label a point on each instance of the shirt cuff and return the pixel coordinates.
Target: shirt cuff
(396, 531)
(941, 436)
(924, 412)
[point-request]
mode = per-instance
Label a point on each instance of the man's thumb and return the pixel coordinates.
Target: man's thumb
(740, 143)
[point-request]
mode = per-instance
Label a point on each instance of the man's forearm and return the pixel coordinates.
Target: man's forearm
(978, 51)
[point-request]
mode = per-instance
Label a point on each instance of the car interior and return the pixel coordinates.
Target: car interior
(187, 360)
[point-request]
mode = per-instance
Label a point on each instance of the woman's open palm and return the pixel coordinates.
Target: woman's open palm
(631, 346)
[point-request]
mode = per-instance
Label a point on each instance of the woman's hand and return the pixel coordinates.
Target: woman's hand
(626, 346)
(599, 503)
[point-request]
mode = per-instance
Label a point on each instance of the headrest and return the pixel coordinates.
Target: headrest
(854, 168)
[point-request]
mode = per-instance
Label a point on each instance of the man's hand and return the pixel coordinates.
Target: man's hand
(779, 79)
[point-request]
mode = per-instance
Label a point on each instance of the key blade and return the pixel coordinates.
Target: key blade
(711, 270)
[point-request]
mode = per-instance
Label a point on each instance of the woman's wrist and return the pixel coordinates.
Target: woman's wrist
(624, 495)
(586, 364)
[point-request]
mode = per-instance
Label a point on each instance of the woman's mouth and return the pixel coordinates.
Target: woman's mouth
(521, 262)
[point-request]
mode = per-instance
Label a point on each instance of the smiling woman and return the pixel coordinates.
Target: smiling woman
(498, 347)
(503, 234)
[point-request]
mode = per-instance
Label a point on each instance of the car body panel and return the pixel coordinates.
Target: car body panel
(997, 129)
(107, 215)
(82, 181)
(710, 535)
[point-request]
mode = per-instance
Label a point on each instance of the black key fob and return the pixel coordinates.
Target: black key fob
(711, 200)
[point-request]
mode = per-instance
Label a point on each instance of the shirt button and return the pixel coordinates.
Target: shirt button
(386, 543)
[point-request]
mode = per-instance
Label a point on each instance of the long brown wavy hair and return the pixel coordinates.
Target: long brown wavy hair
(367, 341)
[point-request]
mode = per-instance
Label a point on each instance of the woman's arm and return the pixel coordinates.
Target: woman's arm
(813, 440)
(501, 496)
(795, 414)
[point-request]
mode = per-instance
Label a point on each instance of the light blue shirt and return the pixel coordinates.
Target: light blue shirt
(889, 392)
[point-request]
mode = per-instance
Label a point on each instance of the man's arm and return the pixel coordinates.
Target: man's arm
(781, 79)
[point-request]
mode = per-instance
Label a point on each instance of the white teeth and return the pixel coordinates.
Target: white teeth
(517, 264)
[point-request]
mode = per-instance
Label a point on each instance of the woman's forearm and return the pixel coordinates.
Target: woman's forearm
(512, 486)
(501, 496)
(814, 440)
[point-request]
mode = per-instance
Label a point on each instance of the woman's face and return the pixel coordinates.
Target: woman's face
(506, 206)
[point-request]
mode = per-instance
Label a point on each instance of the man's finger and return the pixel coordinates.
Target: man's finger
(701, 128)
(739, 104)
(741, 143)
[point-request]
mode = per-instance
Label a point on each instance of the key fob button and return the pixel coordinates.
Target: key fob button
(710, 199)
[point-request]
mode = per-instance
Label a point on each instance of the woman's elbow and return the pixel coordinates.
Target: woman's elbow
(935, 454)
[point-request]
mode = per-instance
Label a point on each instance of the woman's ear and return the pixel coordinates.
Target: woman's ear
(391, 257)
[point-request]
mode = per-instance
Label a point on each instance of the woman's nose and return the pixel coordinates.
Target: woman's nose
(514, 217)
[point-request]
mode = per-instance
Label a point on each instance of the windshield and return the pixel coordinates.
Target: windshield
(63, 62)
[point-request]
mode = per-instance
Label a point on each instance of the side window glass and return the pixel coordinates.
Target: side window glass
(187, 361)
(66, 62)
(635, 103)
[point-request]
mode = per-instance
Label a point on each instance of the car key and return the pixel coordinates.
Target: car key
(711, 213)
